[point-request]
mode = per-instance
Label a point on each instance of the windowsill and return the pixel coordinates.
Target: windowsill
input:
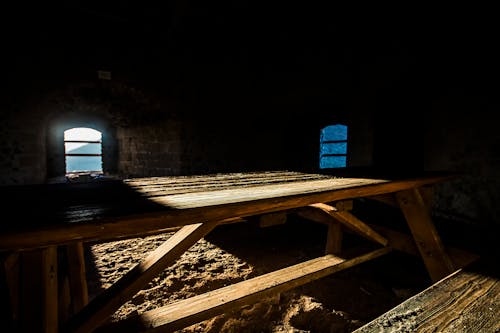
(81, 177)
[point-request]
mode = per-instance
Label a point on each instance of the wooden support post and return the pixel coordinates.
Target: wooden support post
(105, 304)
(424, 232)
(195, 309)
(77, 276)
(334, 239)
(49, 283)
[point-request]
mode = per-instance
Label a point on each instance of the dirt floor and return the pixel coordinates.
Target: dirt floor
(340, 302)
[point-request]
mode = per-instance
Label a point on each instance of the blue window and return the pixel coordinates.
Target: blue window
(83, 150)
(333, 147)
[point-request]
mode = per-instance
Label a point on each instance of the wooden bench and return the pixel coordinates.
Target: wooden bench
(467, 301)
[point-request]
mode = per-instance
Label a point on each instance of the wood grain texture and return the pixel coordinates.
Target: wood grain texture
(195, 309)
(466, 301)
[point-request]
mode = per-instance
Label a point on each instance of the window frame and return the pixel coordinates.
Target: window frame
(326, 142)
(66, 154)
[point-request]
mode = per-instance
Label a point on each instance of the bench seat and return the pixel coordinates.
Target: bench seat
(466, 301)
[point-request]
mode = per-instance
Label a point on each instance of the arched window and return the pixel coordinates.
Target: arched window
(83, 150)
(333, 147)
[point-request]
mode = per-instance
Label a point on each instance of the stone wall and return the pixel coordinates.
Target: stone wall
(462, 137)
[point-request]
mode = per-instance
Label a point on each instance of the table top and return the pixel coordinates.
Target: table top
(57, 213)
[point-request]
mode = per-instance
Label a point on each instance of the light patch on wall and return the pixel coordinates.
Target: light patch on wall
(83, 150)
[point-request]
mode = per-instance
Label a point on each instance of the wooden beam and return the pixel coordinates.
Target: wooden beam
(192, 310)
(106, 303)
(210, 206)
(351, 222)
(426, 237)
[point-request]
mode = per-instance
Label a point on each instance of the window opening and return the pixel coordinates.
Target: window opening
(333, 147)
(83, 150)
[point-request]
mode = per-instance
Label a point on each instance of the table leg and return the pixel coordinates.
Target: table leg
(49, 285)
(424, 233)
(77, 276)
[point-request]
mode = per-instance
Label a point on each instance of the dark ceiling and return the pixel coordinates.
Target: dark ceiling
(430, 46)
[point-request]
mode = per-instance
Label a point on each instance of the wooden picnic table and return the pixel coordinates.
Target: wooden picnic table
(43, 221)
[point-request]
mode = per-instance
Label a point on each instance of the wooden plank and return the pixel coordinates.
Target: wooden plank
(210, 206)
(426, 237)
(334, 239)
(77, 276)
(192, 310)
(351, 222)
(106, 303)
(467, 301)
(49, 283)
(209, 177)
(172, 187)
(222, 178)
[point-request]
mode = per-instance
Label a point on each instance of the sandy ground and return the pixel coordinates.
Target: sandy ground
(340, 302)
